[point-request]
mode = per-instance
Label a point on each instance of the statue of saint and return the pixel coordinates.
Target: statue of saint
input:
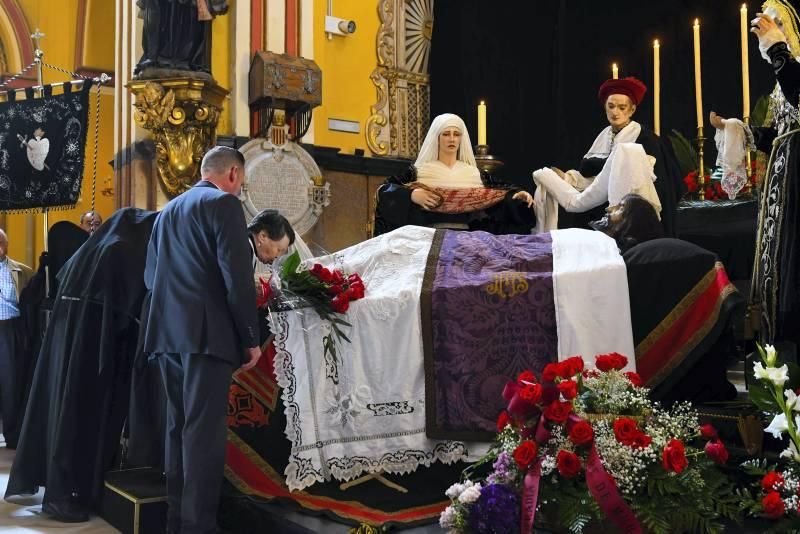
(176, 37)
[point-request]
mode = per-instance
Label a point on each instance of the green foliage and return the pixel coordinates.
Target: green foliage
(684, 152)
(762, 394)
(758, 115)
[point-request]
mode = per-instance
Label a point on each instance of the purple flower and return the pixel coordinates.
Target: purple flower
(496, 511)
(503, 466)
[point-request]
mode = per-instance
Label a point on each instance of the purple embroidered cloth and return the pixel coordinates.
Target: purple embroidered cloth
(487, 315)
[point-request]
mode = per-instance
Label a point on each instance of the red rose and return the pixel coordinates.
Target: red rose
(551, 371)
(568, 464)
(571, 366)
(557, 411)
(340, 303)
(773, 504)
(640, 441)
(531, 393)
(717, 452)
(316, 269)
(502, 420)
(355, 279)
(708, 431)
(674, 456)
(581, 433)
(527, 376)
(568, 388)
(337, 277)
(634, 378)
(771, 480)
(525, 453)
(607, 362)
(356, 291)
(335, 289)
(625, 430)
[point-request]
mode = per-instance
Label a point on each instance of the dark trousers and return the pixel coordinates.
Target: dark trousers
(8, 380)
(197, 399)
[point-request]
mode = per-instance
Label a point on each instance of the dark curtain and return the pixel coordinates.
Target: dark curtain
(538, 65)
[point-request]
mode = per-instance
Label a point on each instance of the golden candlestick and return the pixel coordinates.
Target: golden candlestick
(701, 174)
(485, 161)
(750, 172)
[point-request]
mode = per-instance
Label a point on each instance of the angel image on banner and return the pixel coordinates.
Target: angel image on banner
(42, 144)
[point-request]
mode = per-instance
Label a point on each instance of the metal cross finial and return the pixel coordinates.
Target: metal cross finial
(36, 35)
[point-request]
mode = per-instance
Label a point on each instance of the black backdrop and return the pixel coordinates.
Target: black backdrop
(538, 64)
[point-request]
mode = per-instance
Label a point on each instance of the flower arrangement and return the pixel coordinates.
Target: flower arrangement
(777, 491)
(328, 291)
(588, 445)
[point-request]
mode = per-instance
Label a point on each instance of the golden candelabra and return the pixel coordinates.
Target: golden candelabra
(701, 173)
(486, 162)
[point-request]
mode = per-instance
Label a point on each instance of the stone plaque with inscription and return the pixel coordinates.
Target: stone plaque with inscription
(285, 178)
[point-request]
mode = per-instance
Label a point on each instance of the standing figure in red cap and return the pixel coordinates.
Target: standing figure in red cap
(625, 158)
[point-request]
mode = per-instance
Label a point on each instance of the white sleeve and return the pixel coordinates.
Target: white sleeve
(570, 198)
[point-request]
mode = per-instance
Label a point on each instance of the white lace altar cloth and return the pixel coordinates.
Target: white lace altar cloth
(366, 412)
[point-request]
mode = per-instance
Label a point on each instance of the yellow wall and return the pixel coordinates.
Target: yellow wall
(57, 20)
(221, 63)
(346, 63)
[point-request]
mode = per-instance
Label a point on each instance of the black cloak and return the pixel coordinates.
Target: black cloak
(79, 396)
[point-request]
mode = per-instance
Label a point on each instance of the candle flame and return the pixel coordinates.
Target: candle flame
(614, 65)
(482, 104)
(655, 43)
(744, 7)
(696, 22)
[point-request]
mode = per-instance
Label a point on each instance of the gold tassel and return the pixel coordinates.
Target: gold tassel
(752, 433)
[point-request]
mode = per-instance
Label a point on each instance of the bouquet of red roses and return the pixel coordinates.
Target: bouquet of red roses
(328, 291)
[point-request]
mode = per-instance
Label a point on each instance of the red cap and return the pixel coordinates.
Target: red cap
(630, 87)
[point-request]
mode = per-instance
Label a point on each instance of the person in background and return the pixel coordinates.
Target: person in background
(91, 221)
(14, 276)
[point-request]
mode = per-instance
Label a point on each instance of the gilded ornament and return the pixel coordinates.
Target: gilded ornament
(181, 114)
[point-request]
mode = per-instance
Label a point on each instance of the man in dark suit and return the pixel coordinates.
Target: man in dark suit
(201, 325)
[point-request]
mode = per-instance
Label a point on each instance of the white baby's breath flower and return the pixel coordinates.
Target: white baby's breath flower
(778, 426)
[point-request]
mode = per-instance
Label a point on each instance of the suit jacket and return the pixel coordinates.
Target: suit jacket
(21, 274)
(200, 276)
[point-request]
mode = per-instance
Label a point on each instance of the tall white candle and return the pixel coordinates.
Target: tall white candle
(698, 84)
(745, 63)
(657, 87)
(482, 123)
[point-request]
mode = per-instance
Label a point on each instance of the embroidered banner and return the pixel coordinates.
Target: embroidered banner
(42, 143)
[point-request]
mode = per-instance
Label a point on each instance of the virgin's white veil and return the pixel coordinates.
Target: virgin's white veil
(430, 147)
